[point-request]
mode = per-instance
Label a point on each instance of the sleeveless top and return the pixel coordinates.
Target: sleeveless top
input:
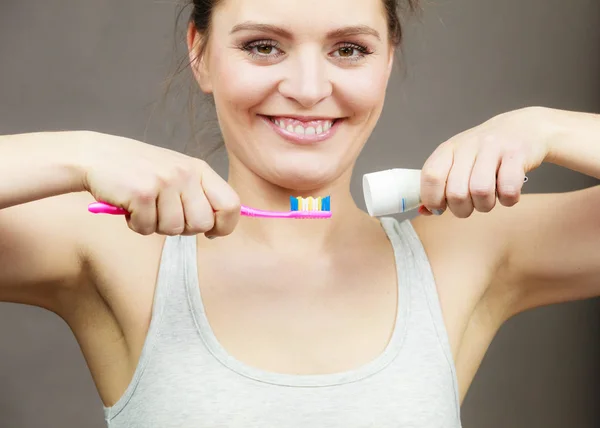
(185, 378)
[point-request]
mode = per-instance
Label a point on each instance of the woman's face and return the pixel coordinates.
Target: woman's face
(298, 86)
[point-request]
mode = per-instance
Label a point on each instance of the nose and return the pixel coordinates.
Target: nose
(306, 80)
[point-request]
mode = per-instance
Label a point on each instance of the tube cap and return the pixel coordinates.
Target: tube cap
(392, 191)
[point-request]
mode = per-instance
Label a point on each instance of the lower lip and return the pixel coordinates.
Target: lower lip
(304, 139)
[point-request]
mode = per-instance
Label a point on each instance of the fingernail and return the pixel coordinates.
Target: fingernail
(211, 237)
(424, 211)
(437, 212)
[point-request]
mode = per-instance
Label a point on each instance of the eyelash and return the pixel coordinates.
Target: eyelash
(363, 50)
(250, 46)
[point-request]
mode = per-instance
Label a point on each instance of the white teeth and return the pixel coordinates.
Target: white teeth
(300, 130)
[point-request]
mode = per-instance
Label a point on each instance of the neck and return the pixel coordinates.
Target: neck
(294, 236)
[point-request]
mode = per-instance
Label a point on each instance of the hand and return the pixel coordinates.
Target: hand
(164, 191)
(474, 169)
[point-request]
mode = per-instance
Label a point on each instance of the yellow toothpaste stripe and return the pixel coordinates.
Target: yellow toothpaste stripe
(310, 204)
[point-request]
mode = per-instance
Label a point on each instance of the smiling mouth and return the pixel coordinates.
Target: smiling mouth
(303, 128)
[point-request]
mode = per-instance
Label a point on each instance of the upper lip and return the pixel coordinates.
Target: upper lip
(301, 118)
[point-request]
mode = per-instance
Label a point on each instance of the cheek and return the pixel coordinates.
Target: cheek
(237, 84)
(362, 89)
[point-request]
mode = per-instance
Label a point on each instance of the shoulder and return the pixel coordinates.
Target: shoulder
(465, 256)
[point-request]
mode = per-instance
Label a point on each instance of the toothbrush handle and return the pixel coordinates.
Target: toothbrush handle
(253, 212)
(104, 208)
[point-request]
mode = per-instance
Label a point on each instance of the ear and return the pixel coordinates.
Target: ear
(198, 61)
(392, 56)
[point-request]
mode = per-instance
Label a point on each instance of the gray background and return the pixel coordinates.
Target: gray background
(101, 64)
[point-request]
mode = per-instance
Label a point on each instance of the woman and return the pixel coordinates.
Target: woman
(347, 322)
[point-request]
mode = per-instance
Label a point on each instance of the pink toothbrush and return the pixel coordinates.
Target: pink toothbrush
(302, 208)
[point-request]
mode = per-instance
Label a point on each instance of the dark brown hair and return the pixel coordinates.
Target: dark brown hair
(201, 17)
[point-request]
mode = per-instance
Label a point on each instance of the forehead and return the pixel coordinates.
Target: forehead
(302, 15)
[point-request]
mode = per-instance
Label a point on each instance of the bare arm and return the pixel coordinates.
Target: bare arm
(48, 243)
(39, 239)
(550, 243)
(546, 248)
(554, 247)
(575, 144)
(36, 166)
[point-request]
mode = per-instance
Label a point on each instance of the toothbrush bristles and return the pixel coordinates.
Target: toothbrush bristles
(310, 204)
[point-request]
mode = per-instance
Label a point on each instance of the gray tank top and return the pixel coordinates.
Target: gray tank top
(185, 378)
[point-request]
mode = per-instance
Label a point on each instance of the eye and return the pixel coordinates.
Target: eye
(346, 51)
(262, 49)
(351, 51)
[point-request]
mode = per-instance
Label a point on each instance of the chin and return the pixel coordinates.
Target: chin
(303, 179)
(297, 169)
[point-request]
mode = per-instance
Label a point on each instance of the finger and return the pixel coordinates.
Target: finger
(482, 185)
(511, 177)
(142, 216)
(198, 213)
(224, 201)
(458, 196)
(434, 176)
(170, 213)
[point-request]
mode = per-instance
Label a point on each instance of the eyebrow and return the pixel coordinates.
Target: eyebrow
(354, 30)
